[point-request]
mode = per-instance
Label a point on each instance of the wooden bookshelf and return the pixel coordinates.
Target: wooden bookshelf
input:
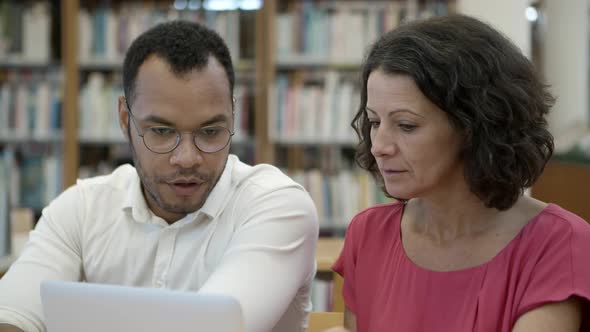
(327, 252)
(69, 28)
(265, 37)
(104, 68)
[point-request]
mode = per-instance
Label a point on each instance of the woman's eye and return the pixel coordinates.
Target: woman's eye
(407, 127)
(163, 131)
(374, 124)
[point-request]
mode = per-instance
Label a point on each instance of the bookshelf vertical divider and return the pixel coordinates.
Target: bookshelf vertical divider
(69, 28)
(265, 76)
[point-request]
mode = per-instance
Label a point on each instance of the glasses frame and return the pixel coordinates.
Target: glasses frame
(141, 134)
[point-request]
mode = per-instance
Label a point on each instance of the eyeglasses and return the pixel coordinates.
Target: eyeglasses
(162, 139)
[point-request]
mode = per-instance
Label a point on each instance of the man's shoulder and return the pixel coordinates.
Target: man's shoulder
(261, 176)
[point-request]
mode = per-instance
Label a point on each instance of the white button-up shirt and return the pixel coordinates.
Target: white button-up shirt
(254, 239)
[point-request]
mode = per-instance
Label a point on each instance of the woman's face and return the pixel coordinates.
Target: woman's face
(415, 145)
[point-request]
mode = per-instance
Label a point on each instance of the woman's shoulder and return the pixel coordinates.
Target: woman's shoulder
(549, 260)
(378, 213)
(376, 219)
(555, 240)
(555, 221)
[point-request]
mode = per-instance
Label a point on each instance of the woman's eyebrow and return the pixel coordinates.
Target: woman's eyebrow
(396, 111)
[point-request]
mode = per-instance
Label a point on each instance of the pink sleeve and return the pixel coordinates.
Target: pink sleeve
(346, 267)
(562, 269)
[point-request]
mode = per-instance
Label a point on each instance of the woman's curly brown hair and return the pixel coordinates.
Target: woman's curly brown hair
(487, 88)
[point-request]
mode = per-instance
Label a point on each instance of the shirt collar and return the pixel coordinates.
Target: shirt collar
(136, 204)
(219, 195)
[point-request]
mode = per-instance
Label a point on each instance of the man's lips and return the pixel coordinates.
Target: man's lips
(185, 181)
(184, 184)
(186, 187)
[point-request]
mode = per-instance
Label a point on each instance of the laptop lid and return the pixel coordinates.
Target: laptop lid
(75, 307)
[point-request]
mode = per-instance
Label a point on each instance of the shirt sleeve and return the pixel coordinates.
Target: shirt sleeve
(52, 253)
(270, 258)
(346, 266)
(561, 268)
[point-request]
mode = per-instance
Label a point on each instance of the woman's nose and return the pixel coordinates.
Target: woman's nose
(382, 142)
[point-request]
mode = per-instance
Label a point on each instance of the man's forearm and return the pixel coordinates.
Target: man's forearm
(9, 328)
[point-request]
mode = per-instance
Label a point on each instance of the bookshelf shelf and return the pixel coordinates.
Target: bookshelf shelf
(101, 140)
(341, 229)
(101, 65)
(244, 65)
(12, 137)
(242, 140)
(97, 64)
(316, 141)
(298, 62)
(28, 64)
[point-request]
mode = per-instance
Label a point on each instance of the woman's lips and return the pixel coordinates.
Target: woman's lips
(392, 172)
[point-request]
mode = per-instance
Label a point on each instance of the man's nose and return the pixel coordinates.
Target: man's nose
(186, 154)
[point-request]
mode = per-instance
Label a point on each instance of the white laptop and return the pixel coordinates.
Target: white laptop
(75, 307)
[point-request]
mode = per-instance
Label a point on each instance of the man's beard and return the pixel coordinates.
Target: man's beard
(150, 186)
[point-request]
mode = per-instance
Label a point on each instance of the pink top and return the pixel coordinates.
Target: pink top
(548, 261)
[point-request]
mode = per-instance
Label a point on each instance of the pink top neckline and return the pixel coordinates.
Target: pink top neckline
(506, 249)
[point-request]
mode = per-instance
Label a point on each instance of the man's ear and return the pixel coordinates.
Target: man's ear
(123, 117)
(233, 113)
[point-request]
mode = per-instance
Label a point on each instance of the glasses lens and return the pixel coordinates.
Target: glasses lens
(212, 139)
(160, 139)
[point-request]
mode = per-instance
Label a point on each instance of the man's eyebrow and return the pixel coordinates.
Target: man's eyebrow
(157, 119)
(160, 120)
(216, 119)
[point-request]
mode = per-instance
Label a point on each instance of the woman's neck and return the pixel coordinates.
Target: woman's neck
(446, 220)
(463, 215)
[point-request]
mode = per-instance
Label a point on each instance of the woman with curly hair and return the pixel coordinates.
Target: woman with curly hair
(452, 124)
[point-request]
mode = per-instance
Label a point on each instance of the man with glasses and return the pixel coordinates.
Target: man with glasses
(188, 215)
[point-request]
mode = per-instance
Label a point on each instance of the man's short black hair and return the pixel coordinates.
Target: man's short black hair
(489, 91)
(183, 45)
